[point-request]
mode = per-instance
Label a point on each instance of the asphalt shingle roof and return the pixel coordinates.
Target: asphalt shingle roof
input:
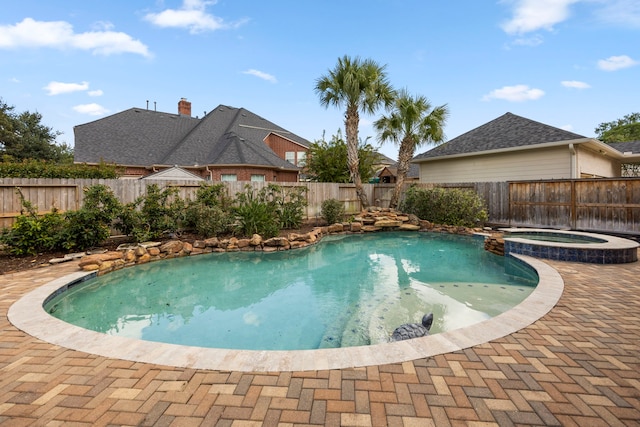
(507, 131)
(624, 147)
(227, 135)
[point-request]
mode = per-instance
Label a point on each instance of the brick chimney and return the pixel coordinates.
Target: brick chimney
(184, 107)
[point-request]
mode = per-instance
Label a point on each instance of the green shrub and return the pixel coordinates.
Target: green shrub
(290, 203)
(256, 213)
(31, 233)
(210, 213)
(332, 210)
(91, 225)
(44, 169)
(158, 212)
(267, 211)
(445, 206)
(208, 221)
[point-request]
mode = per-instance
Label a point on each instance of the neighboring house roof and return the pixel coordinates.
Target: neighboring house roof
(385, 160)
(507, 131)
(174, 174)
(225, 136)
(414, 170)
(627, 147)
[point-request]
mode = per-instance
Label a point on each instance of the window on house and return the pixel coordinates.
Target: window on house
(302, 158)
(257, 178)
(228, 177)
(290, 156)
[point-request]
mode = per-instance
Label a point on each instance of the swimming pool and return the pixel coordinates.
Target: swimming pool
(347, 291)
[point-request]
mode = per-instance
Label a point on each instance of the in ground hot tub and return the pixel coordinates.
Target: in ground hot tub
(571, 246)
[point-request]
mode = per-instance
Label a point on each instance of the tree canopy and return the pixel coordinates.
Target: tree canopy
(23, 136)
(621, 130)
(359, 86)
(411, 122)
(327, 160)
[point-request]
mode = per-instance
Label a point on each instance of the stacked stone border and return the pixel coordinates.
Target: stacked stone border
(368, 221)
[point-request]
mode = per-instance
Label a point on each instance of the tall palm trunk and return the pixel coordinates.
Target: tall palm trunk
(351, 126)
(405, 154)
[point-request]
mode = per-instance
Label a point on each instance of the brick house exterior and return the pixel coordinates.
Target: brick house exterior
(226, 144)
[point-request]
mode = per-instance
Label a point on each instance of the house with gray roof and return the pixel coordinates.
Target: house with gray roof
(511, 148)
(227, 144)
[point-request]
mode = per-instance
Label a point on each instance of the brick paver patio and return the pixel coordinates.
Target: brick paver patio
(578, 365)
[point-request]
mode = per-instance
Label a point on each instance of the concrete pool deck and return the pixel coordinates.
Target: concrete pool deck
(577, 365)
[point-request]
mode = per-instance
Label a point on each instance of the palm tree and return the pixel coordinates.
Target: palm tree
(360, 86)
(411, 122)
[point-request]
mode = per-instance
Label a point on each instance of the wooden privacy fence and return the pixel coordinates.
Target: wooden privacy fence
(606, 205)
(609, 205)
(67, 194)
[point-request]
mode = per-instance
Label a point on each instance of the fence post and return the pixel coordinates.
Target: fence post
(574, 208)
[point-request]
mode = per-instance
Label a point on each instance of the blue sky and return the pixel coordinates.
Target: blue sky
(572, 64)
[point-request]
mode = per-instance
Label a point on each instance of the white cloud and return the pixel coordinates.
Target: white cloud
(261, 75)
(534, 40)
(91, 109)
(517, 93)
(568, 128)
(534, 15)
(102, 26)
(574, 84)
(620, 12)
(614, 63)
(191, 15)
(57, 88)
(30, 33)
(96, 92)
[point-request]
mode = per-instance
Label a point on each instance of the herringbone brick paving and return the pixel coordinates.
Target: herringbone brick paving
(577, 366)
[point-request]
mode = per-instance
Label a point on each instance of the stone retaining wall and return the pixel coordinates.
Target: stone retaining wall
(371, 220)
(494, 243)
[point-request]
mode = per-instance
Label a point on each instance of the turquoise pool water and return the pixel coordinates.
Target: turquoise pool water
(344, 291)
(549, 236)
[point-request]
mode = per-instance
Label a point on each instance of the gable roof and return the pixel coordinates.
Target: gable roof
(507, 131)
(225, 136)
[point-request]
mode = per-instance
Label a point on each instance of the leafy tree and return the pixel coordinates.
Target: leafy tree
(621, 130)
(327, 160)
(23, 136)
(360, 86)
(411, 122)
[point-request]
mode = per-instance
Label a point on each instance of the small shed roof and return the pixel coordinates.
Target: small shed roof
(174, 174)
